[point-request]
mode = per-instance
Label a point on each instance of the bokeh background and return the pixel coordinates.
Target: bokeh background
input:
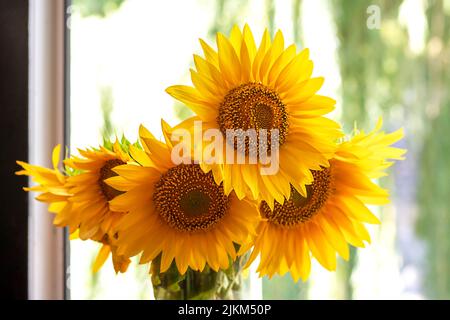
(386, 58)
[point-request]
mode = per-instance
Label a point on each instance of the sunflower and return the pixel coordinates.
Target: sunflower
(244, 87)
(109, 247)
(334, 212)
(80, 201)
(51, 183)
(177, 211)
(91, 196)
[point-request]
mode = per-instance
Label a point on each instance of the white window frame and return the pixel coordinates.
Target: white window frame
(46, 255)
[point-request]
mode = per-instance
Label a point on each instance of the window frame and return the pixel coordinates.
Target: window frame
(47, 126)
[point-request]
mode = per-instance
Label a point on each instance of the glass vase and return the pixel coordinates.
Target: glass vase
(229, 284)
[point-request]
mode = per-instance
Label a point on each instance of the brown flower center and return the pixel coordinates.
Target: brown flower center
(188, 199)
(105, 173)
(253, 106)
(299, 209)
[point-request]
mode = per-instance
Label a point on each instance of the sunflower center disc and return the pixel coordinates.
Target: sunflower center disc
(195, 203)
(253, 106)
(299, 209)
(105, 173)
(188, 199)
(263, 116)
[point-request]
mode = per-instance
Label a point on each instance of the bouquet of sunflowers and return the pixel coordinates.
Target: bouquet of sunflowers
(259, 174)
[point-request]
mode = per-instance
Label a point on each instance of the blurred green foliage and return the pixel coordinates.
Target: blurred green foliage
(381, 75)
(227, 13)
(296, 22)
(433, 223)
(270, 16)
(99, 8)
(181, 111)
(284, 288)
(361, 54)
(107, 105)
